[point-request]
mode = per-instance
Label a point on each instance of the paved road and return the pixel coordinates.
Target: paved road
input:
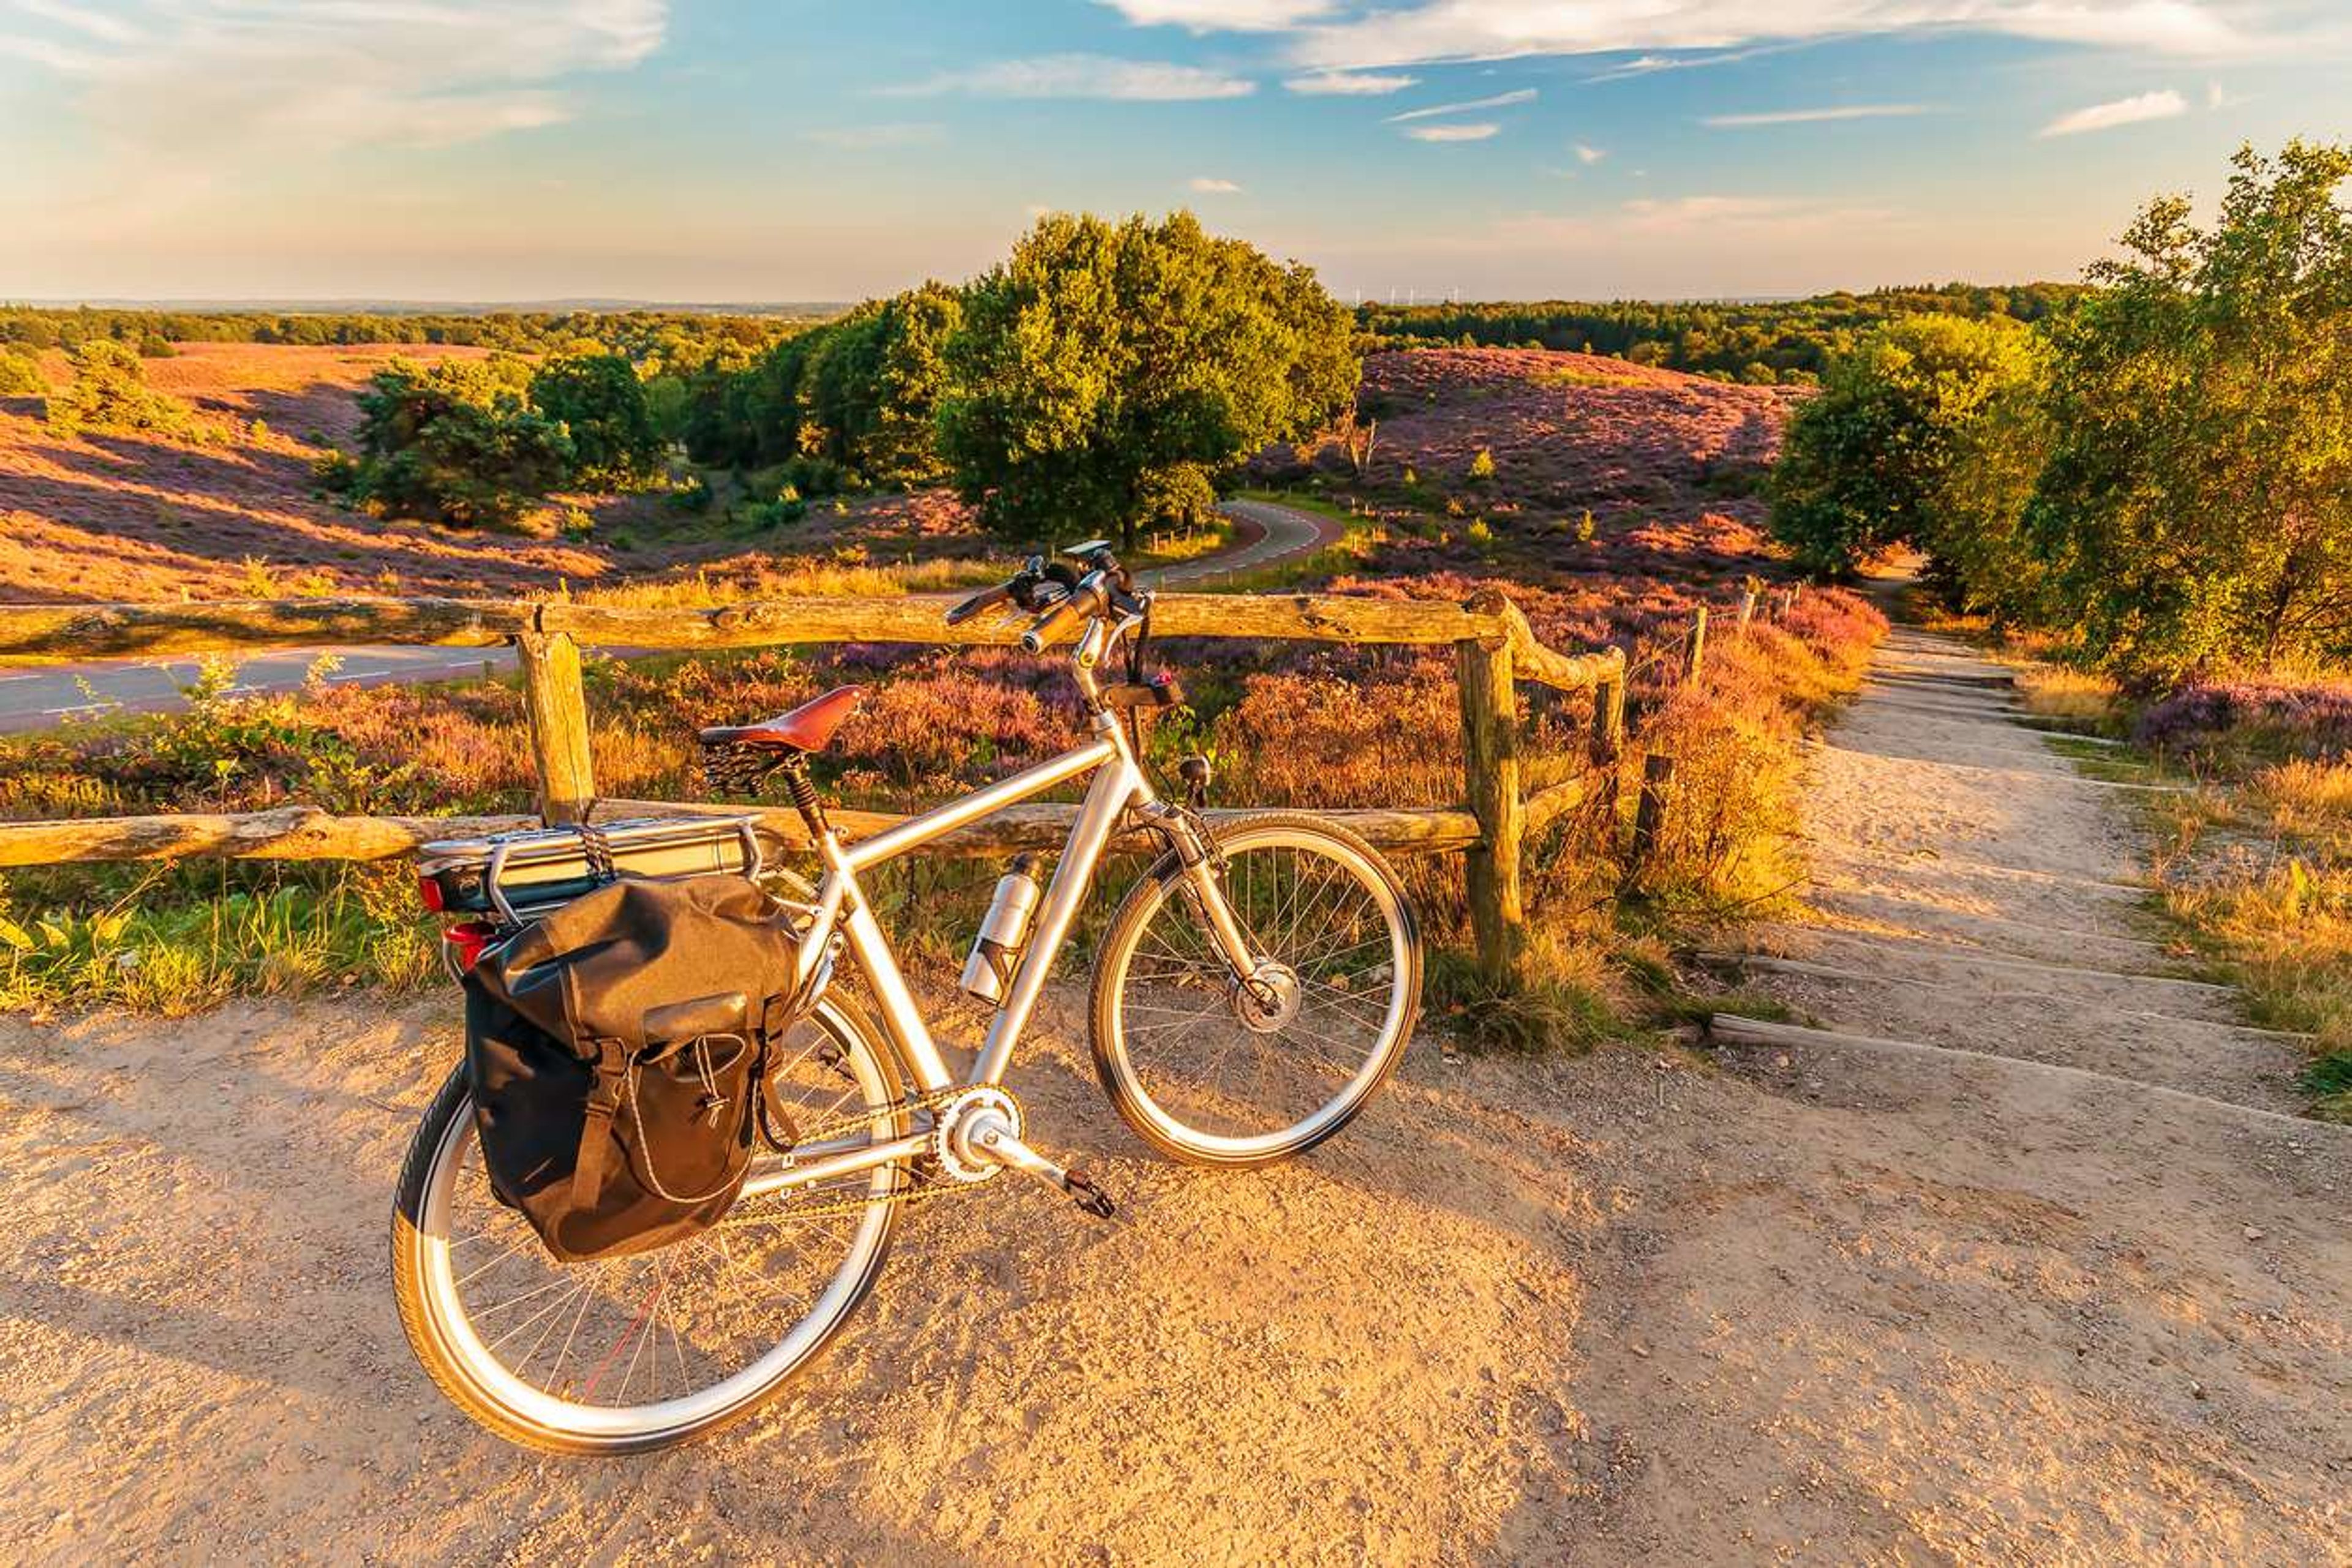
(1284, 532)
(42, 698)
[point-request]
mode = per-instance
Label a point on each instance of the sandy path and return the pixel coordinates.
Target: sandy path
(1836, 1304)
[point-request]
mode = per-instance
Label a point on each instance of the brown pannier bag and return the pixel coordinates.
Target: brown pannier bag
(617, 1049)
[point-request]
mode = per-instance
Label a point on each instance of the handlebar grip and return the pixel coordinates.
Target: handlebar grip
(1057, 622)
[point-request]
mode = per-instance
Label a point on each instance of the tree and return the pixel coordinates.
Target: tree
(20, 375)
(603, 407)
(1106, 370)
(110, 393)
(2197, 508)
(893, 435)
(1894, 451)
(456, 441)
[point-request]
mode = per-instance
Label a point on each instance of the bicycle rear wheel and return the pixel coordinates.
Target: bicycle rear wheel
(627, 1354)
(1214, 1068)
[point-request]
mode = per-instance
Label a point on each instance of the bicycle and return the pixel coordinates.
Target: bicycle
(1251, 992)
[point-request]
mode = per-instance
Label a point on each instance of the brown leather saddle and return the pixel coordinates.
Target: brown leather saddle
(807, 728)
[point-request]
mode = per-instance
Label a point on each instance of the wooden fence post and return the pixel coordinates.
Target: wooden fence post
(558, 710)
(1490, 766)
(1747, 608)
(1650, 819)
(1697, 656)
(1608, 721)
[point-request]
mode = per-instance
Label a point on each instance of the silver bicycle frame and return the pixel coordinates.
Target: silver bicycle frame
(1118, 785)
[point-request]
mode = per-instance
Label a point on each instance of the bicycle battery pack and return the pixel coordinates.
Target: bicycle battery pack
(517, 875)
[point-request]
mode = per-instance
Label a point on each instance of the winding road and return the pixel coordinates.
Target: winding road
(42, 698)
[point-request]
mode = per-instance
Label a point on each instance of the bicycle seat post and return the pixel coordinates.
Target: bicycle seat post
(801, 792)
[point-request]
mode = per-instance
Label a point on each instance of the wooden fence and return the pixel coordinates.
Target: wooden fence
(1509, 794)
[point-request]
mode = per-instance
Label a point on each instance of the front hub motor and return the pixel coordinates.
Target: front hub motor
(1269, 999)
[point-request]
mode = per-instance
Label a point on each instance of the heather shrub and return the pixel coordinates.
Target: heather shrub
(2312, 718)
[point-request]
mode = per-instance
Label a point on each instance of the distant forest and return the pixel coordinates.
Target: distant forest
(1759, 341)
(1764, 341)
(678, 339)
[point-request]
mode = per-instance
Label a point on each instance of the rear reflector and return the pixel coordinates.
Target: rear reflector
(429, 889)
(467, 940)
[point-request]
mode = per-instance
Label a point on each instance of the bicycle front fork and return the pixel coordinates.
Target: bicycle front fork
(1202, 868)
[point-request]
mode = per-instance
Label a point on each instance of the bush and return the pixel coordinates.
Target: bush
(20, 375)
(108, 393)
(1921, 436)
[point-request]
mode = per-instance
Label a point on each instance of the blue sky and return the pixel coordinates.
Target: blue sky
(519, 149)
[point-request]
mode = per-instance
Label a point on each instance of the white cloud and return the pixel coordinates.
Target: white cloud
(1439, 30)
(1649, 65)
(1083, 76)
(1478, 132)
(1350, 84)
(1778, 215)
(865, 138)
(1220, 16)
(82, 19)
(1816, 115)
(189, 80)
(1212, 187)
(2159, 105)
(1589, 155)
(1500, 100)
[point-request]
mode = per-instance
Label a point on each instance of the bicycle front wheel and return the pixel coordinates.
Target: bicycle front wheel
(630, 1353)
(1213, 1068)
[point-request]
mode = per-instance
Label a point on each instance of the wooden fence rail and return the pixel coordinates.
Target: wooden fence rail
(1495, 650)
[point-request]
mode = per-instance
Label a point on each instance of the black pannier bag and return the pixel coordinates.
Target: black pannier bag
(617, 1049)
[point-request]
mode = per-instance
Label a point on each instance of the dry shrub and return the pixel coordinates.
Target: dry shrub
(2308, 787)
(1734, 734)
(2054, 691)
(1358, 737)
(847, 577)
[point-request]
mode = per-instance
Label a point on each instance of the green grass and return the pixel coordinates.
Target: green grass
(318, 929)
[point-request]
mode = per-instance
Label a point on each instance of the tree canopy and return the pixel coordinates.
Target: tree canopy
(599, 400)
(456, 441)
(1894, 450)
(2162, 473)
(1105, 371)
(109, 392)
(2197, 504)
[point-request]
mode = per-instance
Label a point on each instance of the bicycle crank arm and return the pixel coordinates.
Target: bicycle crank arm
(991, 1139)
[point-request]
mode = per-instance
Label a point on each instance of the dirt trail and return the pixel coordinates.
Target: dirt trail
(1834, 1304)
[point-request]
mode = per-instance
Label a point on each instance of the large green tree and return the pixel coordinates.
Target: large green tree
(2196, 509)
(601, 403)
(456, 441)
(1105, 371)
(1925, 434)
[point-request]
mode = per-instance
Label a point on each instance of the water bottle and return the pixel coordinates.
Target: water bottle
(997, 948)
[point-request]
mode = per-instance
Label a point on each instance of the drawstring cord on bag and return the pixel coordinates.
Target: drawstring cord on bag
(713, 1102)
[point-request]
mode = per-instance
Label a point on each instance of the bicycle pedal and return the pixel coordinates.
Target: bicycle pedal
(1086, 1195)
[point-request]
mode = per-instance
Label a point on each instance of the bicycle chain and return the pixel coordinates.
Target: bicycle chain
(914, 1188)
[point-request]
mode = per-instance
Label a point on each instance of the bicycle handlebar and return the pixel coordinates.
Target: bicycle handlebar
(1100, 591)
(1057, 622)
